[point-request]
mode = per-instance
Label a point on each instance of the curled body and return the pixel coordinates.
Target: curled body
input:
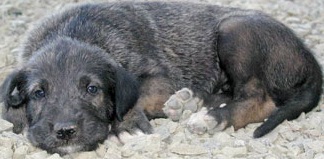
(95, 70)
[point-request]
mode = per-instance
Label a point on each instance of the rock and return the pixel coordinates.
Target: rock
(37, 155)
(163, 131)
(172, 126)
(5, 125)
(161, 121)
(294, 150)
(113, 153)
(178, 138)
(20, 152)
(186, 149)
(257, 146)
(319, 156)
(317, 146)
(85, 155)
(54, 156)
(101, 150)
(234, 151)
(239, 143)
(143, 144)
(17, 139)
(6, 142)
(222, 137)
(6, 152)
(289, 135)
(279, 149)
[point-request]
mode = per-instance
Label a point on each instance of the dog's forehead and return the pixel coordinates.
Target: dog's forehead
(67, 61)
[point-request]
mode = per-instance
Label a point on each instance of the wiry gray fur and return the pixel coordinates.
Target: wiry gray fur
(124, 48)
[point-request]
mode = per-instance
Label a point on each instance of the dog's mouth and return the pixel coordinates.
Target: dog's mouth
(64, 149)
(69, 149)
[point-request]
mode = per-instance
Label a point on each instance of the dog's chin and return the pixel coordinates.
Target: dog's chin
(63, 148)
(68, 149)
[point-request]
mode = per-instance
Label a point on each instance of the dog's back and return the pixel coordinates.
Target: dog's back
(173, 39)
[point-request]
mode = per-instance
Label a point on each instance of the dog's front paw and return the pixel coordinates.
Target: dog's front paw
(125, 136)
(134, 124)
(209, 121)
(180, 101)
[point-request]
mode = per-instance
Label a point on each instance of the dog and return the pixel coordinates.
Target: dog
(95, 70)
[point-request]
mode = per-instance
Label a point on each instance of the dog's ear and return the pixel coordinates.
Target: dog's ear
(13, 95)
(126, 92)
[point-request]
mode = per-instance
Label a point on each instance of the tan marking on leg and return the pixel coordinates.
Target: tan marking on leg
(257, 106)
(154, 93)
(251, 111)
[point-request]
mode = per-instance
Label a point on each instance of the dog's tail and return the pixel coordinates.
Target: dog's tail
(303, 100)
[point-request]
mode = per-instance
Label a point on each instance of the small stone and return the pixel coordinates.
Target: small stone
(6, 152)
(317, 146)
(5, 125)
(109, 144)
(85, 155)
(54, 156)
(145, 143)
(172, 126)
(319, 156)
(290, 136)
(5, 142)
(222, 137)
(186, 149)
(292, 20)
(314, 133)
(101, 150)
(163, 132)
(20, 152)
(127, 153)
(37, 155)
(17, 139)
(294, 150)
(234, 151)
(239, 143)
(178, 138)
(113, 153)
(279, 149)
(258, 147)
(161, 121)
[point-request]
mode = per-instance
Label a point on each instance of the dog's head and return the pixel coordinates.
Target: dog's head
(67, 95)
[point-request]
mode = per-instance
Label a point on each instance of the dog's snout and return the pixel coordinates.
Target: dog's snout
(65, 131)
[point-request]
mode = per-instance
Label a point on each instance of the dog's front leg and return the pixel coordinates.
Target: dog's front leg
(135, 123)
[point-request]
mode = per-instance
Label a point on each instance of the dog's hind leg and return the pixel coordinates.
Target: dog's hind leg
(271, 73)
(255, 107)
(302, 98)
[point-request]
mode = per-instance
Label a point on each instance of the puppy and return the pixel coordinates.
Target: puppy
(94, 69)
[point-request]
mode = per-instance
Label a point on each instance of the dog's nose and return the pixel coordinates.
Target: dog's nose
(65, 131)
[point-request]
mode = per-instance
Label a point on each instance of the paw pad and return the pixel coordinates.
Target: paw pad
(180, 101)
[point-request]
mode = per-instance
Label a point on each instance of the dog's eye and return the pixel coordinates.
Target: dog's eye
(39, 94)
(92, 89)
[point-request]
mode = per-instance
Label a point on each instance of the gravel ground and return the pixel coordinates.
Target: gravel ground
(301, 138)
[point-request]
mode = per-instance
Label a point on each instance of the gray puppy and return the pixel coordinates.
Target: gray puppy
(98, 69)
